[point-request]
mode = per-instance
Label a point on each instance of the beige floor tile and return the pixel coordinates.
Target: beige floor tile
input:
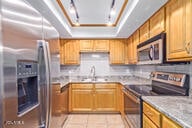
(114, 119)
(75, 126)
(78, 119)
(97, 126)
(97, 119)
(116, 126)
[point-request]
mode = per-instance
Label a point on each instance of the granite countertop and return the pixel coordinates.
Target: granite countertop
(123, 81)
(177, 108)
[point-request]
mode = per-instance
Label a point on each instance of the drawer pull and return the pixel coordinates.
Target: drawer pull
(188, 48)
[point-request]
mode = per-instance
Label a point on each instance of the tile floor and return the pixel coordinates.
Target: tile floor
(94, 121)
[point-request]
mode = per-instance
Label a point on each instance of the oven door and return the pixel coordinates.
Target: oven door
(132, 109)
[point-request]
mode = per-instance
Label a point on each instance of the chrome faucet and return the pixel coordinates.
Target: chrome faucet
(92, 73)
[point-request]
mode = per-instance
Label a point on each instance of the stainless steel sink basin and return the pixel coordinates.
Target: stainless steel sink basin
(95, 80)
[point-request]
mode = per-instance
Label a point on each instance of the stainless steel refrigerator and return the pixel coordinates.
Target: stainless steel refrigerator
(25, 74)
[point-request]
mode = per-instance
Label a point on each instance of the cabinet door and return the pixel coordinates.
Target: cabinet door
(82, 99)
(167, 123)
(65, 101)
(135, 42)
(157, 23)
(105, 100)
(144, 32)
(101, 45)
(178, 33)
(86, 45)
(56, 99)
(147, 123)
(130, 50)
(117, 51)
(71, 50)
(61, 51)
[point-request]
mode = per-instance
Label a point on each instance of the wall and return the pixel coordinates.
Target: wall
(101, 63)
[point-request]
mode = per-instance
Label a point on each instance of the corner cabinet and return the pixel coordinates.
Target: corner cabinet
(69, 52)
(179, 30)
(117, 51)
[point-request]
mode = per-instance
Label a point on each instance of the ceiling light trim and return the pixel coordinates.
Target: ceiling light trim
(92, 25)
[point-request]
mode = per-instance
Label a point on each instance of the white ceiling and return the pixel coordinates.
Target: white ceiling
(96, 12)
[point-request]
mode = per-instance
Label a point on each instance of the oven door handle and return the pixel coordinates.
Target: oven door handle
(131, 96)
(151, 52)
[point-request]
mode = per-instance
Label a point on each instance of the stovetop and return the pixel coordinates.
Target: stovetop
(141, 90)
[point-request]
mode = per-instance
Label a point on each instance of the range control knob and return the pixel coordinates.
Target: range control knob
(171, 78)
(178, 79)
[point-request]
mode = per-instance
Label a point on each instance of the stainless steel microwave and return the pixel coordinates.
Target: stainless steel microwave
(152, 51)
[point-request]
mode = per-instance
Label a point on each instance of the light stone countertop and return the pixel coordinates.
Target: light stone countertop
(177, 108)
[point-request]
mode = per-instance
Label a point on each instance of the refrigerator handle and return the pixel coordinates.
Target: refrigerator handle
(45, 98)
(49, 87)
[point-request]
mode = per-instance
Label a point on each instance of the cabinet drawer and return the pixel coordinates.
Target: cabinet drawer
(151, 113)
(105, 85)
(82, 86)
(147, 123)
(167, 123)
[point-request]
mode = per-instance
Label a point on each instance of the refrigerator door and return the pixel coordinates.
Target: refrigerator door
(44, 83)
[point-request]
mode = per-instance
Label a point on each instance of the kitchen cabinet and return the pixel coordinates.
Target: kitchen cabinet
(82, 97)
(101, 45)
(94, 45)
(144, 32)
(105, 97)
(54, 45)
(117, 51)
(86, 45)
(56, 99)
(155, 119)
(69, 53)
(93, 97)
(120, 99)
(179, 30)
(132, 43)
(135, 42)
(167, 123)
(157, 23)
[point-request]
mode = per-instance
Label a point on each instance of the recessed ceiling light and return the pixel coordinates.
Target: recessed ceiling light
(112, 12)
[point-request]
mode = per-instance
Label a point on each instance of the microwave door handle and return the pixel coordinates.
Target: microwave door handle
(151, 53)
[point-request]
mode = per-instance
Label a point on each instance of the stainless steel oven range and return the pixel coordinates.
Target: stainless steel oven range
(163, 83)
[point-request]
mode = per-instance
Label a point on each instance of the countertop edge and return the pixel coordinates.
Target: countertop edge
(180, 122)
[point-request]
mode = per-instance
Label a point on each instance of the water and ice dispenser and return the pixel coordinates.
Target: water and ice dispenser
(27, 85)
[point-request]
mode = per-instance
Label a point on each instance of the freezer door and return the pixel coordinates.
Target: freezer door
(44, 83)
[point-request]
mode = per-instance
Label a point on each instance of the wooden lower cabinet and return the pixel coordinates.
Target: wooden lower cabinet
(93, 97)
(82, 100)
(155, 119)
(167, 123)
(105, 100)
(147, 123)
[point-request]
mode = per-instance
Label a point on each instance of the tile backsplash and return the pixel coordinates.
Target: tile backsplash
(101, 63)
(103, 67)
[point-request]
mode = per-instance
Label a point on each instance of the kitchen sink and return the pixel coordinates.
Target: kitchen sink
(95, 80)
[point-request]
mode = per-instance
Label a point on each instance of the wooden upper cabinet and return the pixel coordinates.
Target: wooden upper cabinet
(179, 30)
(61, 51)
(86, 45)
(94, 45)
(157, 23)
(71, 52)
(54, 46)
(135, 42)
(117, 51)
(101, 45)
(144, 32)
